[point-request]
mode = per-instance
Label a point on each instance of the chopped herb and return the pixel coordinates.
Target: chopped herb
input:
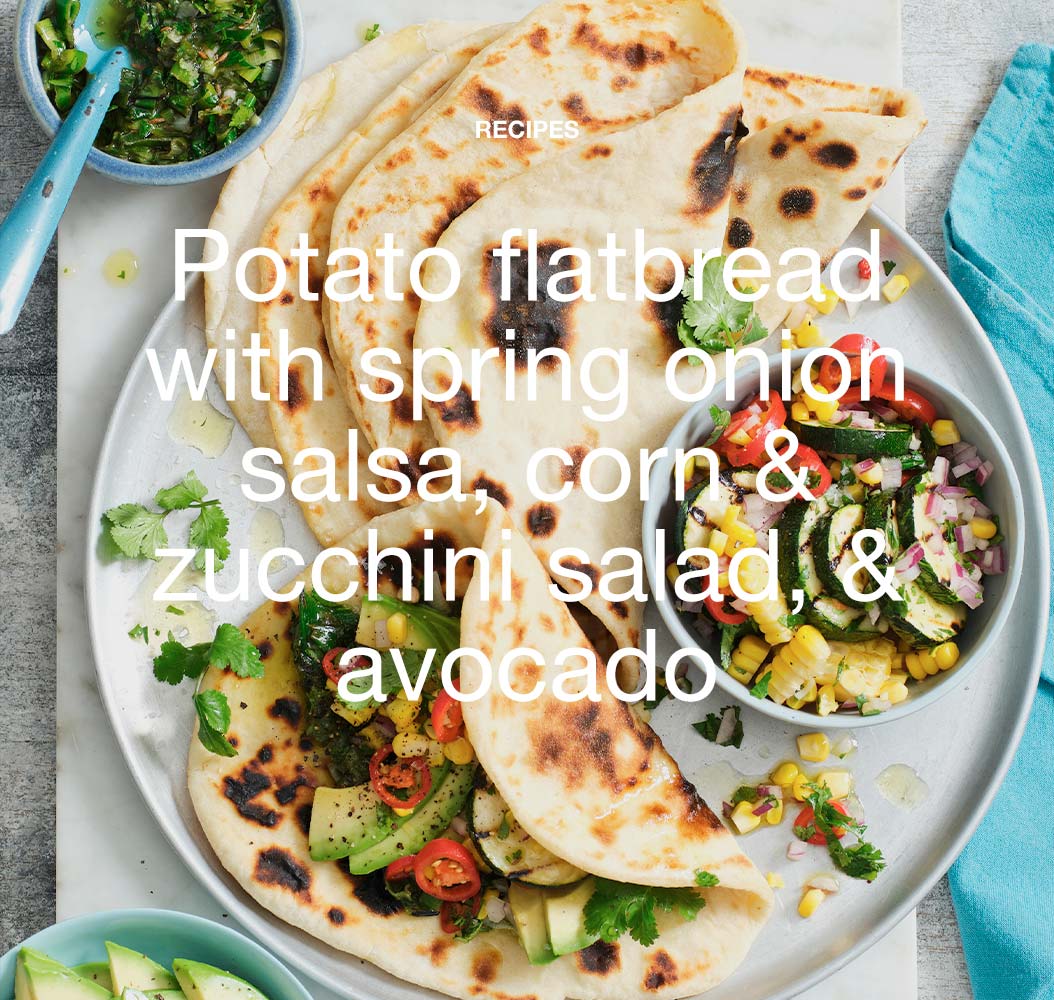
(214, 719)
(761, 689)
(616, 908)
(515, 857)
(372, 32)
(792, 621)
(503, 829)
(707, 880)
(888, 266)
(139, 632)
(173, 610)
(861, 860)
(717, 321)
(711, 726)
(721, 419)
(230, 649)
(745, 793)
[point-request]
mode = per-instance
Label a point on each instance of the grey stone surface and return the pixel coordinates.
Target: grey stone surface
(955, 54)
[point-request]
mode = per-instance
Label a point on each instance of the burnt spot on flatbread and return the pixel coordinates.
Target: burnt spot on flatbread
(398, 159)
(893, 107)
(666, 316)
(265, 649)
(535, 325)
(539, 40)
(740, 233)
(696, 812)
(303, 818)
(635, 56)
(600, 959)
(403, 408)
(620, 608)
(856, 193)
(494, 490)
(438, 949)
(460, 411)
(287, 793)
(577, 453)
(370, 891)
(741, 192)
(485, 965)
(287, 298)
(466, 194)
(662, 971)
(778, 149)
(711, 174)
(835, 155)
(492, 106)
(320, 190)
(436, 151)
(621, 82)
(541, 520)
(336, 916)
(243, 790)
(297, 395)
(275, 866)
(265, 754)
(599, 150)
(797, 203)
(774, 81)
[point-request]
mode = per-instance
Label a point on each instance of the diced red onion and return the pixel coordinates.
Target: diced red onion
(776, 791)
(825, 883)
(459, 826)
(977, 509)
(763, 808)
(883, 412)
(844, 747)
(741, 606)
(964, 538)
(862, 467)
(874, 612)
(727, 727)
(892, 470)
(726, 810)
(495, 909)
(955, 492)
(691, 607)
(993, 561)
(940, 470)
(795, 850)
(915, 443)
(380, 634)
(759, 513)
(968, 592)
(965, 468)
(860, 419)
(911, 558)
(384, 724)
(934, 504)
(984, 471)
(909, 574)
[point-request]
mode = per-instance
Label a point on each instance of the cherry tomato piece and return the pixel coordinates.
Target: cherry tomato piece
(390, 774)
(913, 406)
(757, 421)
(401, 869)
(726, 616)
(807, 818)
(863, 268)
(807, 458)
(331, 664)
(852, 345)
(450, 913)
(447, 719)
(444, 869)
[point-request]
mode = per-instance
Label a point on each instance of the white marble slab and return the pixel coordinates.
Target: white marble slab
(110, 852)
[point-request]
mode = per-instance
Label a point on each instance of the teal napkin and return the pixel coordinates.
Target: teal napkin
(999, 230)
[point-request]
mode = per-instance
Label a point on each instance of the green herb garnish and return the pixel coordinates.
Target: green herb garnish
(711, 726)
(616, 908)
(372, 32)
(214, 719)
(721, 419)
(888, 266)
(230, 649)
(706, 880)
(139, 632)
(717, 321)
(861, 860)
(761, 689)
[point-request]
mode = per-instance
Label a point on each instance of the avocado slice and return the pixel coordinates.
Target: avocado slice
(134, 970)
(205, 982)
(349, 820)
(565, 918)
(38, 977)
(97, 972)
(528, 913)
(130, 994)
(429, 820)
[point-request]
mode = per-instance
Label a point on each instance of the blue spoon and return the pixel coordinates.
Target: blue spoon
(27, 231)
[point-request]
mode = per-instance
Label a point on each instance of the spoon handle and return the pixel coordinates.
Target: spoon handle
(26, 232)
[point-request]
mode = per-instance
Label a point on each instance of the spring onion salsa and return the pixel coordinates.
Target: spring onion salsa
(202, 71)
(887, 464)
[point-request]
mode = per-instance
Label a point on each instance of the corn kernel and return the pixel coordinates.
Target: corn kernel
(743, 817)
(403, 812)
(403, 713)
(355, 716)
(397, 627)
(945, 432)
(812, 644)
(775, 815)
(672, 572)
(800, 788)
(718, 541)
(894, 692)
(807, 334)
(748, 286)
(839, 782)
(785, 773)
(826, 700)
(983, 528)
(872, 476)
(835, 469)
(799, 411)
(723, 582)
(810, 902)
(823, 408)
(828, 302)
(374, 736)
(805, 695)
(755, 647)
(435, 753)
(814, 747)
(946, 655)
(410, 745)
(742, 674)
(895, 287)
(459, 751)
(775, 880)
(689, 468)
(855, 491)
(739, 437)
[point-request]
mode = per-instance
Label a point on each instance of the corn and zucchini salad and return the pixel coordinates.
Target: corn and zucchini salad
(860, 584)
(821, 804)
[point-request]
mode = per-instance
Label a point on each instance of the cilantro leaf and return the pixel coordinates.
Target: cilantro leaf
(139, 632)
(860, 860)
(232, 649)
(721, 419)
(372, 32)
(888, 266)
(136, 531)
(716, 321)
(745, 793)
(413, 663)
(706, 880)
(179, 497)
(214, 719)
(711, 726)
(176, 661)
(209, 531)
(616, 908)
(761, 689)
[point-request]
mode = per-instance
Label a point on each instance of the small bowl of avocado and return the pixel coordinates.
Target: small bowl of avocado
(208, 80)
(144, 955)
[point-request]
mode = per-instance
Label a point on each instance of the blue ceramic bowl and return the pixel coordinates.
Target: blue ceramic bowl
(28, 70)
(164, 935)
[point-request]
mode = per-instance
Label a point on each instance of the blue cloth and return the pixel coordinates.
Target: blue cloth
(999, 230)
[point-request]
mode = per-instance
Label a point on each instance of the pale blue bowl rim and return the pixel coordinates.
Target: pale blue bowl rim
(27, 70)
(936, 687)
(248, 959)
